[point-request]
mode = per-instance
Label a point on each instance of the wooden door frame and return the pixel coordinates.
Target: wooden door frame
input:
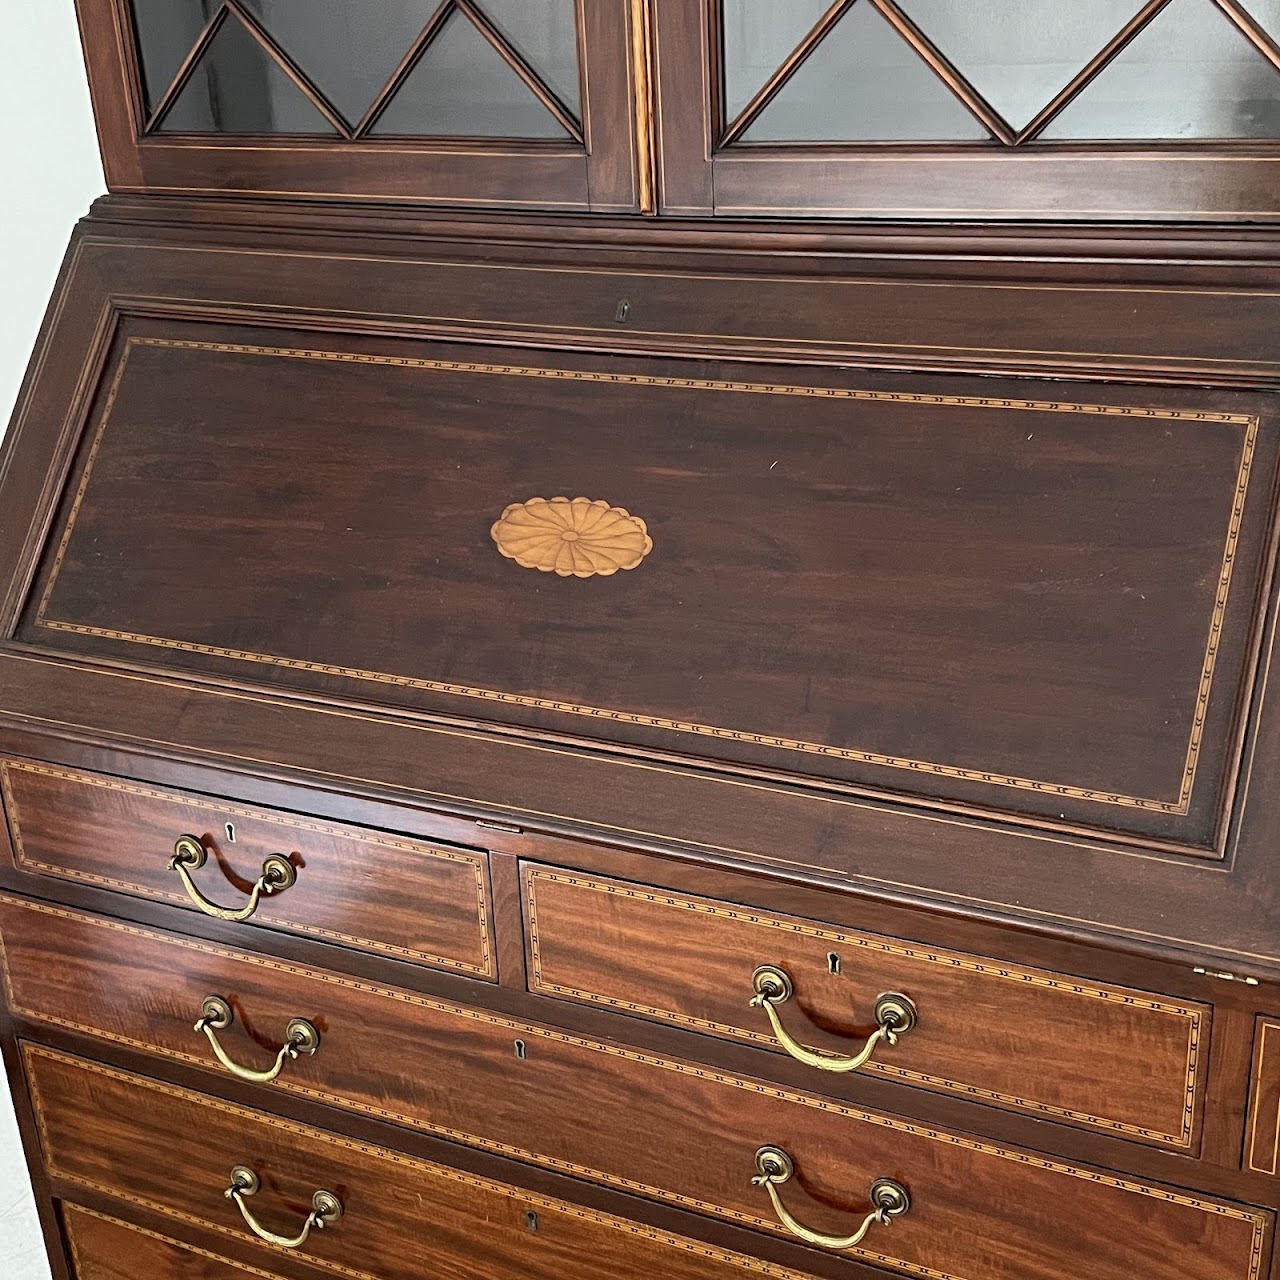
(606, 173)
(1087, 182)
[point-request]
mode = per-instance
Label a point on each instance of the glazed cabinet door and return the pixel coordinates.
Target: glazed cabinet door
(495, 103)
(951, 108)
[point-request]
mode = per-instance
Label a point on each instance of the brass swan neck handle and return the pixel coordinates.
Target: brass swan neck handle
(189, 854)
(326, 1208)
(889, 1200)
(895, 1015)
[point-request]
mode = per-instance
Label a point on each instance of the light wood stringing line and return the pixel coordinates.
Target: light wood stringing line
(543, 1203)
(750, 856)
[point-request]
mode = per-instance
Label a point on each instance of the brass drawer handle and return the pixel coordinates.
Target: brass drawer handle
(895, 1015)
(889, 1200)
(189, 855)
(300, 1037)
(325, 1208)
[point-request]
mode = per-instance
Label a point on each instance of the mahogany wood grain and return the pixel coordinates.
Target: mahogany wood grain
(1262, 1140)
(621, 1117)
(1160, 904)
(426, 903)
(50, 1228)
(1125, 1061)
(488, 173)
(1118, 181)
(1189, 914)
(404, 1218)
(925, 586)
(106, 1248)
(998, 677)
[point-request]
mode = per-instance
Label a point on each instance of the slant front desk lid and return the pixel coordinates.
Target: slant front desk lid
(1026, 603)
(1032, 597)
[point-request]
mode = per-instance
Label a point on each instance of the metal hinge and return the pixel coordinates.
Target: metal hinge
(1226, 977)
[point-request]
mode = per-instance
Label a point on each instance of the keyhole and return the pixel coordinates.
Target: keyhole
(531, 1220)
(231, 833)
(521, 1052)
(623, 311)
(833, 962)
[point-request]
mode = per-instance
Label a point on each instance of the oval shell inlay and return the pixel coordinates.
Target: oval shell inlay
(571, 537)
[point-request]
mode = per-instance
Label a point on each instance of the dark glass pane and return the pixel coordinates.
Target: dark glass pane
(463, 87)
(758, 36)
(864, 83)
(237, 87)
(1019, 53)
(167, 31)
(546, 34)
(348, 50)
(1190, 74)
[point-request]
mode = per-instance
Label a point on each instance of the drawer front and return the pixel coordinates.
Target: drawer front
(104, 1248)
(1036, 1041)
(173, 1151)
(1262, 1151)
(1036, 597)
(378, 892)
(658, 1127)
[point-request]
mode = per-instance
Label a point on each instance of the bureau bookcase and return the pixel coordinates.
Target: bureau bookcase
(635, 640)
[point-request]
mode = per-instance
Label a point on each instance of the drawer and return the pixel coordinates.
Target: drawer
(173, 1151)
(1023, 1038)
(366, 889)
(1262, 1149)
(1031, 597)
(658, 1127)
(104, 1248)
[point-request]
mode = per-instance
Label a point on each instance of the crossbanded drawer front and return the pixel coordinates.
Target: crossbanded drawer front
(1091, 1054)
(376, 891)
(105, 1248)
(659, 1127)
(172, 1151)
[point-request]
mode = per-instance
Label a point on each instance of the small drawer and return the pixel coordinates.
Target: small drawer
(371, 890)
(173, 1151)
(1081, 1052)
(662, 1128)
(1262, 1148)
(104, 1248)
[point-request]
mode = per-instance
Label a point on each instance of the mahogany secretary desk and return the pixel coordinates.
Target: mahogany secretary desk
(636, 640)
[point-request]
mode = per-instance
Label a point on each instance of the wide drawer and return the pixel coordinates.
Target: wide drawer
(372, 890)
(1096, 1055)
(104, 1248)
(659, 1127)
(173, 1151)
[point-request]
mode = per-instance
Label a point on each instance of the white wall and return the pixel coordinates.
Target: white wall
(50, 167)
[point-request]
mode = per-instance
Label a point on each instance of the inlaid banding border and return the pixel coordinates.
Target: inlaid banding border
(1258, 1219)
(476, 861)
(1179, 806)
(1263, 1149)
(995, 970)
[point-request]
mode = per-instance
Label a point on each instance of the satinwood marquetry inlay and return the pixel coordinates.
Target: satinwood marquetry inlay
(571, 537)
